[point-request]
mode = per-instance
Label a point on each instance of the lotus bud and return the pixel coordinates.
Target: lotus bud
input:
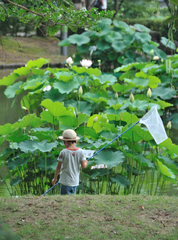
(131, 98)
(80, 91)
(151, 52)
(169, 125)
(116, 95)
(149, 93)
(69, 61)
(155, 58)
(95, 119)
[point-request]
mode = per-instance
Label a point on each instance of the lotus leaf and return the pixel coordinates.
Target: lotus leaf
(54, 95)
(7, 81)
(66, 87)
(15, 181)
(109, 158)
(55, 108)
(165, 170)
(141, 28)
(78, 39)
(121, 180)
(37, 63)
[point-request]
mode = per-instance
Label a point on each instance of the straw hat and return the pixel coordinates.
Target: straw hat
(69, 135)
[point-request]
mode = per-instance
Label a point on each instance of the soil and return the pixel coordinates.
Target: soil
(22, 49)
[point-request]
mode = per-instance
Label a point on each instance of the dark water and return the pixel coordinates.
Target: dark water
(11, 114)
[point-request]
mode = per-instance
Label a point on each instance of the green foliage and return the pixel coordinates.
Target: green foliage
(116, 44)
(51, 103)
(50, 14)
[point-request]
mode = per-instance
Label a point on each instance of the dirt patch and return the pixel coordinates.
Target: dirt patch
(23, 49)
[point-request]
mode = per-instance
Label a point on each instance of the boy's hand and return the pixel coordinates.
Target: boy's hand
(53, 181)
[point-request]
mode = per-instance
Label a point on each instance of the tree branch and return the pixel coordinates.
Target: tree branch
(20, 6)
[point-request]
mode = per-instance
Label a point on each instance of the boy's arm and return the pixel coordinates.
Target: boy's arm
(84, 164)
(56, 173)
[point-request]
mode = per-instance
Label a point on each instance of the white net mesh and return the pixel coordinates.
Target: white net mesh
(153, 122)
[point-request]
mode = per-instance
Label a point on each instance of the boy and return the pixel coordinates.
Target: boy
(70, 160)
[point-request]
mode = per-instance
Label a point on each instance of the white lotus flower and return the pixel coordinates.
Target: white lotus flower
(86, 63)
(69, 61)
(155, 58)
(47, 88)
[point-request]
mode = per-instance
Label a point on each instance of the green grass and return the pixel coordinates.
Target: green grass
(91, 217)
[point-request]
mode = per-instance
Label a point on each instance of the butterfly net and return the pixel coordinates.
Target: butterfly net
(153, 122)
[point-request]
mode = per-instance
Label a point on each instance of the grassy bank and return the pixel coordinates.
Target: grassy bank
(91, 217)
(23, 49)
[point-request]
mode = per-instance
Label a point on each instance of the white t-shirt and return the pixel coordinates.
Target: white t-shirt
(104, 5)
(70, 168)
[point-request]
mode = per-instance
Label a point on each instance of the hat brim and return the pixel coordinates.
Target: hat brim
(68, 139)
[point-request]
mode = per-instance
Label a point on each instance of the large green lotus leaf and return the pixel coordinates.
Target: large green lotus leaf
(33, 84)
(141, 59)
(83, 107)
(7, 81)
(82, 118)
(106, 78)
(27, 146)
(126, 68)
(153, 81)
(50, 164)
(44, 146)
(123, 88)
(89, 71)
(144, 161)
(141, 28)
(127, 117)
(6, 129)
(172, 148)
(164, 93)
(69, 121)
(130, 53)
(128, 38)
(122, 25)
(121, 180)
(100, 172)
(25, 121)
(151, 68)
(79, 39)
(12, 90)
(116, 103)
(128, 60)
(97, 127)
(83, 48)
(90, 120)
(65, 42)
(143, 133)
(66, 87)
(54, 95)
(22, 71)
(15, 181)
(37, 63)
(17, 136)
(12, 164)
(160, 53)
(48, 117)
(105, 30)
(55, 108)
(143, 37)
(118, 45)
(141, 105)
(87, 132)
(108, 135)
(36, 122)
(165, 170)
(148, 47)
(103, 45)
(168, 43)
(164, 104)
(131, 134)
(44, 135)
(64, 76)
(95, 97)
(2, 139)
(112, 35)
(81, 80)
(141, 82)
(109, 158)
(30, 102)
(37, 71)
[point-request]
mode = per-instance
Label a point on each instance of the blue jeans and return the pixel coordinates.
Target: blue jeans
(67, 190)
